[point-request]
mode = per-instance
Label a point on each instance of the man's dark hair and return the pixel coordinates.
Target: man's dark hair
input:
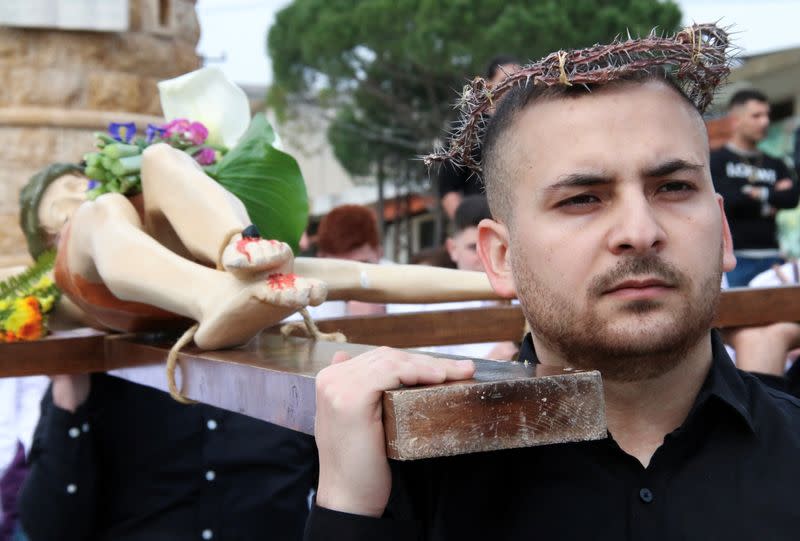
(743, 96)
(471, 211)
(500, 60)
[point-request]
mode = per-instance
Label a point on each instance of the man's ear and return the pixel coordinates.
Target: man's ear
(728, 259)
(450, 246)
(495, 252)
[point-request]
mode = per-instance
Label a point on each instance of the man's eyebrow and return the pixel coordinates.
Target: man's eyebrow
(671, 166)
(578, 180)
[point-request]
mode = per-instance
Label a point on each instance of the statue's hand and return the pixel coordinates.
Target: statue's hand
(248, 255)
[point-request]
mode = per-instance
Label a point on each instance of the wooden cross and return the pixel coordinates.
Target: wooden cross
(506, 405)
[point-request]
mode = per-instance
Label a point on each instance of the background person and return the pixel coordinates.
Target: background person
(753, 185)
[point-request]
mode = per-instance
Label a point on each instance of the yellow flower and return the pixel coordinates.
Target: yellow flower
(24, 322)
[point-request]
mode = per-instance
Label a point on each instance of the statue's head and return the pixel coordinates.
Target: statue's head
(47, 201)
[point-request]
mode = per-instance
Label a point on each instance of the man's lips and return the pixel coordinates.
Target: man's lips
(640, 288)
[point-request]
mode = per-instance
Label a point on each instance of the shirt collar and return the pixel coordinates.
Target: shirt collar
(722, 382)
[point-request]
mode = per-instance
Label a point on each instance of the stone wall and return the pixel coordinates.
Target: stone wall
(56, 84)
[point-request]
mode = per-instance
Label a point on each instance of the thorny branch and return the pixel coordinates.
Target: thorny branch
(699, 56)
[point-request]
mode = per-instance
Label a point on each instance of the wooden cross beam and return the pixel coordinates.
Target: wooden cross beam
(738, 307)
(506, 405)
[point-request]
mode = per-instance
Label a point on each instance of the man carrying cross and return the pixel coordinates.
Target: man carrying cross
(607, 227)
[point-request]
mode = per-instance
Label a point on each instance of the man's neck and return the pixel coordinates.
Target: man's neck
(742, 144)
(641, 413)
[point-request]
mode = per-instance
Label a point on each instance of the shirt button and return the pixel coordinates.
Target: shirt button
(207, 534)
(74, 432)
(85, 427)
(646, 495)
(211, 424)
(210, 475)
(72, 488)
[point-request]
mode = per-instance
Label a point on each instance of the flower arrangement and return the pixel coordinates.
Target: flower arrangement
(25, 300)
(116, 167)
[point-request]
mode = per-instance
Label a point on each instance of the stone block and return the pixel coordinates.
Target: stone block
(186, 24)
(150, 102)
(26, 148)
(55, 87)
(13, 47)
(113, 91)
(78, 50)
(12, 241)
(184, 58)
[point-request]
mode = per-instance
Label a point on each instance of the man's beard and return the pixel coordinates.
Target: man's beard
(585, 340)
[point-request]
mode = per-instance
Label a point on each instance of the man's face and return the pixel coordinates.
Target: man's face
(751, 120)
(463, 250)
(617, 240)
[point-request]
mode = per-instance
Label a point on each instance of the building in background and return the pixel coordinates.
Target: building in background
(69, 68)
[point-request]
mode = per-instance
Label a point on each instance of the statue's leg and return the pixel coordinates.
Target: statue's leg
(108, 244)
(185, 206)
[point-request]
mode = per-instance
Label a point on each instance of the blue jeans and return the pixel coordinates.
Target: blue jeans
(748, 267)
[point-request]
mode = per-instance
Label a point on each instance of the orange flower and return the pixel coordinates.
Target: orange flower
(31, 330)
(25, 320)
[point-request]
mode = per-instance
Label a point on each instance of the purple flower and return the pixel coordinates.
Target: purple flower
(92, 184)
(206, 156)
(154, 132)
(122, 131)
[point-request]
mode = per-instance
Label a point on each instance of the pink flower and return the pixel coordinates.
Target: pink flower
(176, 127)
(197, 133)
(206, 156)
(193, 132)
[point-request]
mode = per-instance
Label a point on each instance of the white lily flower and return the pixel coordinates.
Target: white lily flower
(207, 96)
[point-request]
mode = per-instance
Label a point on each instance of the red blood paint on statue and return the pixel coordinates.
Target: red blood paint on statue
(281, 281)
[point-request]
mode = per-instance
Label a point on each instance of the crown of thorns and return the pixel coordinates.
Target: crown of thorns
(698, 56)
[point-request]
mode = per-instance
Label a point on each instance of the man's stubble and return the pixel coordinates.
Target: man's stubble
(588, 341)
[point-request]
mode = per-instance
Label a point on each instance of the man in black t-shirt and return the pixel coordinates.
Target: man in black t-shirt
(753, 185)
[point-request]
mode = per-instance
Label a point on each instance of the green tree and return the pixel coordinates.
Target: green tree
(390, 69)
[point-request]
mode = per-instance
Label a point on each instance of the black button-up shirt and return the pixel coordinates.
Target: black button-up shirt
(731, 471)
(132, 464)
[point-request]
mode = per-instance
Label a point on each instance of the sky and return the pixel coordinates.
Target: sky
(233, 32)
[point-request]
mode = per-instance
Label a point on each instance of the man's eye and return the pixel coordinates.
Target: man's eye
(579, 201)
(676, 186)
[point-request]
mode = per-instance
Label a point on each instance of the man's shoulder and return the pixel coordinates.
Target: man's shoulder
(772, 405)
(774, 162)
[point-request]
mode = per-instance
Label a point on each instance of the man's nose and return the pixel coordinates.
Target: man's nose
(635, 227)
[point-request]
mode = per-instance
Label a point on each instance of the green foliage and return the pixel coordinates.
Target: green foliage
(32, 280)
(391, 68)
(267, 181)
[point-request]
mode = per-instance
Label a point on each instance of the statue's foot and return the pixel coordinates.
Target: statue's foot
(247, 255)
(253, 306)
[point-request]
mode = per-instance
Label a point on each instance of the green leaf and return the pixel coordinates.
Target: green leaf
(268, 182)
